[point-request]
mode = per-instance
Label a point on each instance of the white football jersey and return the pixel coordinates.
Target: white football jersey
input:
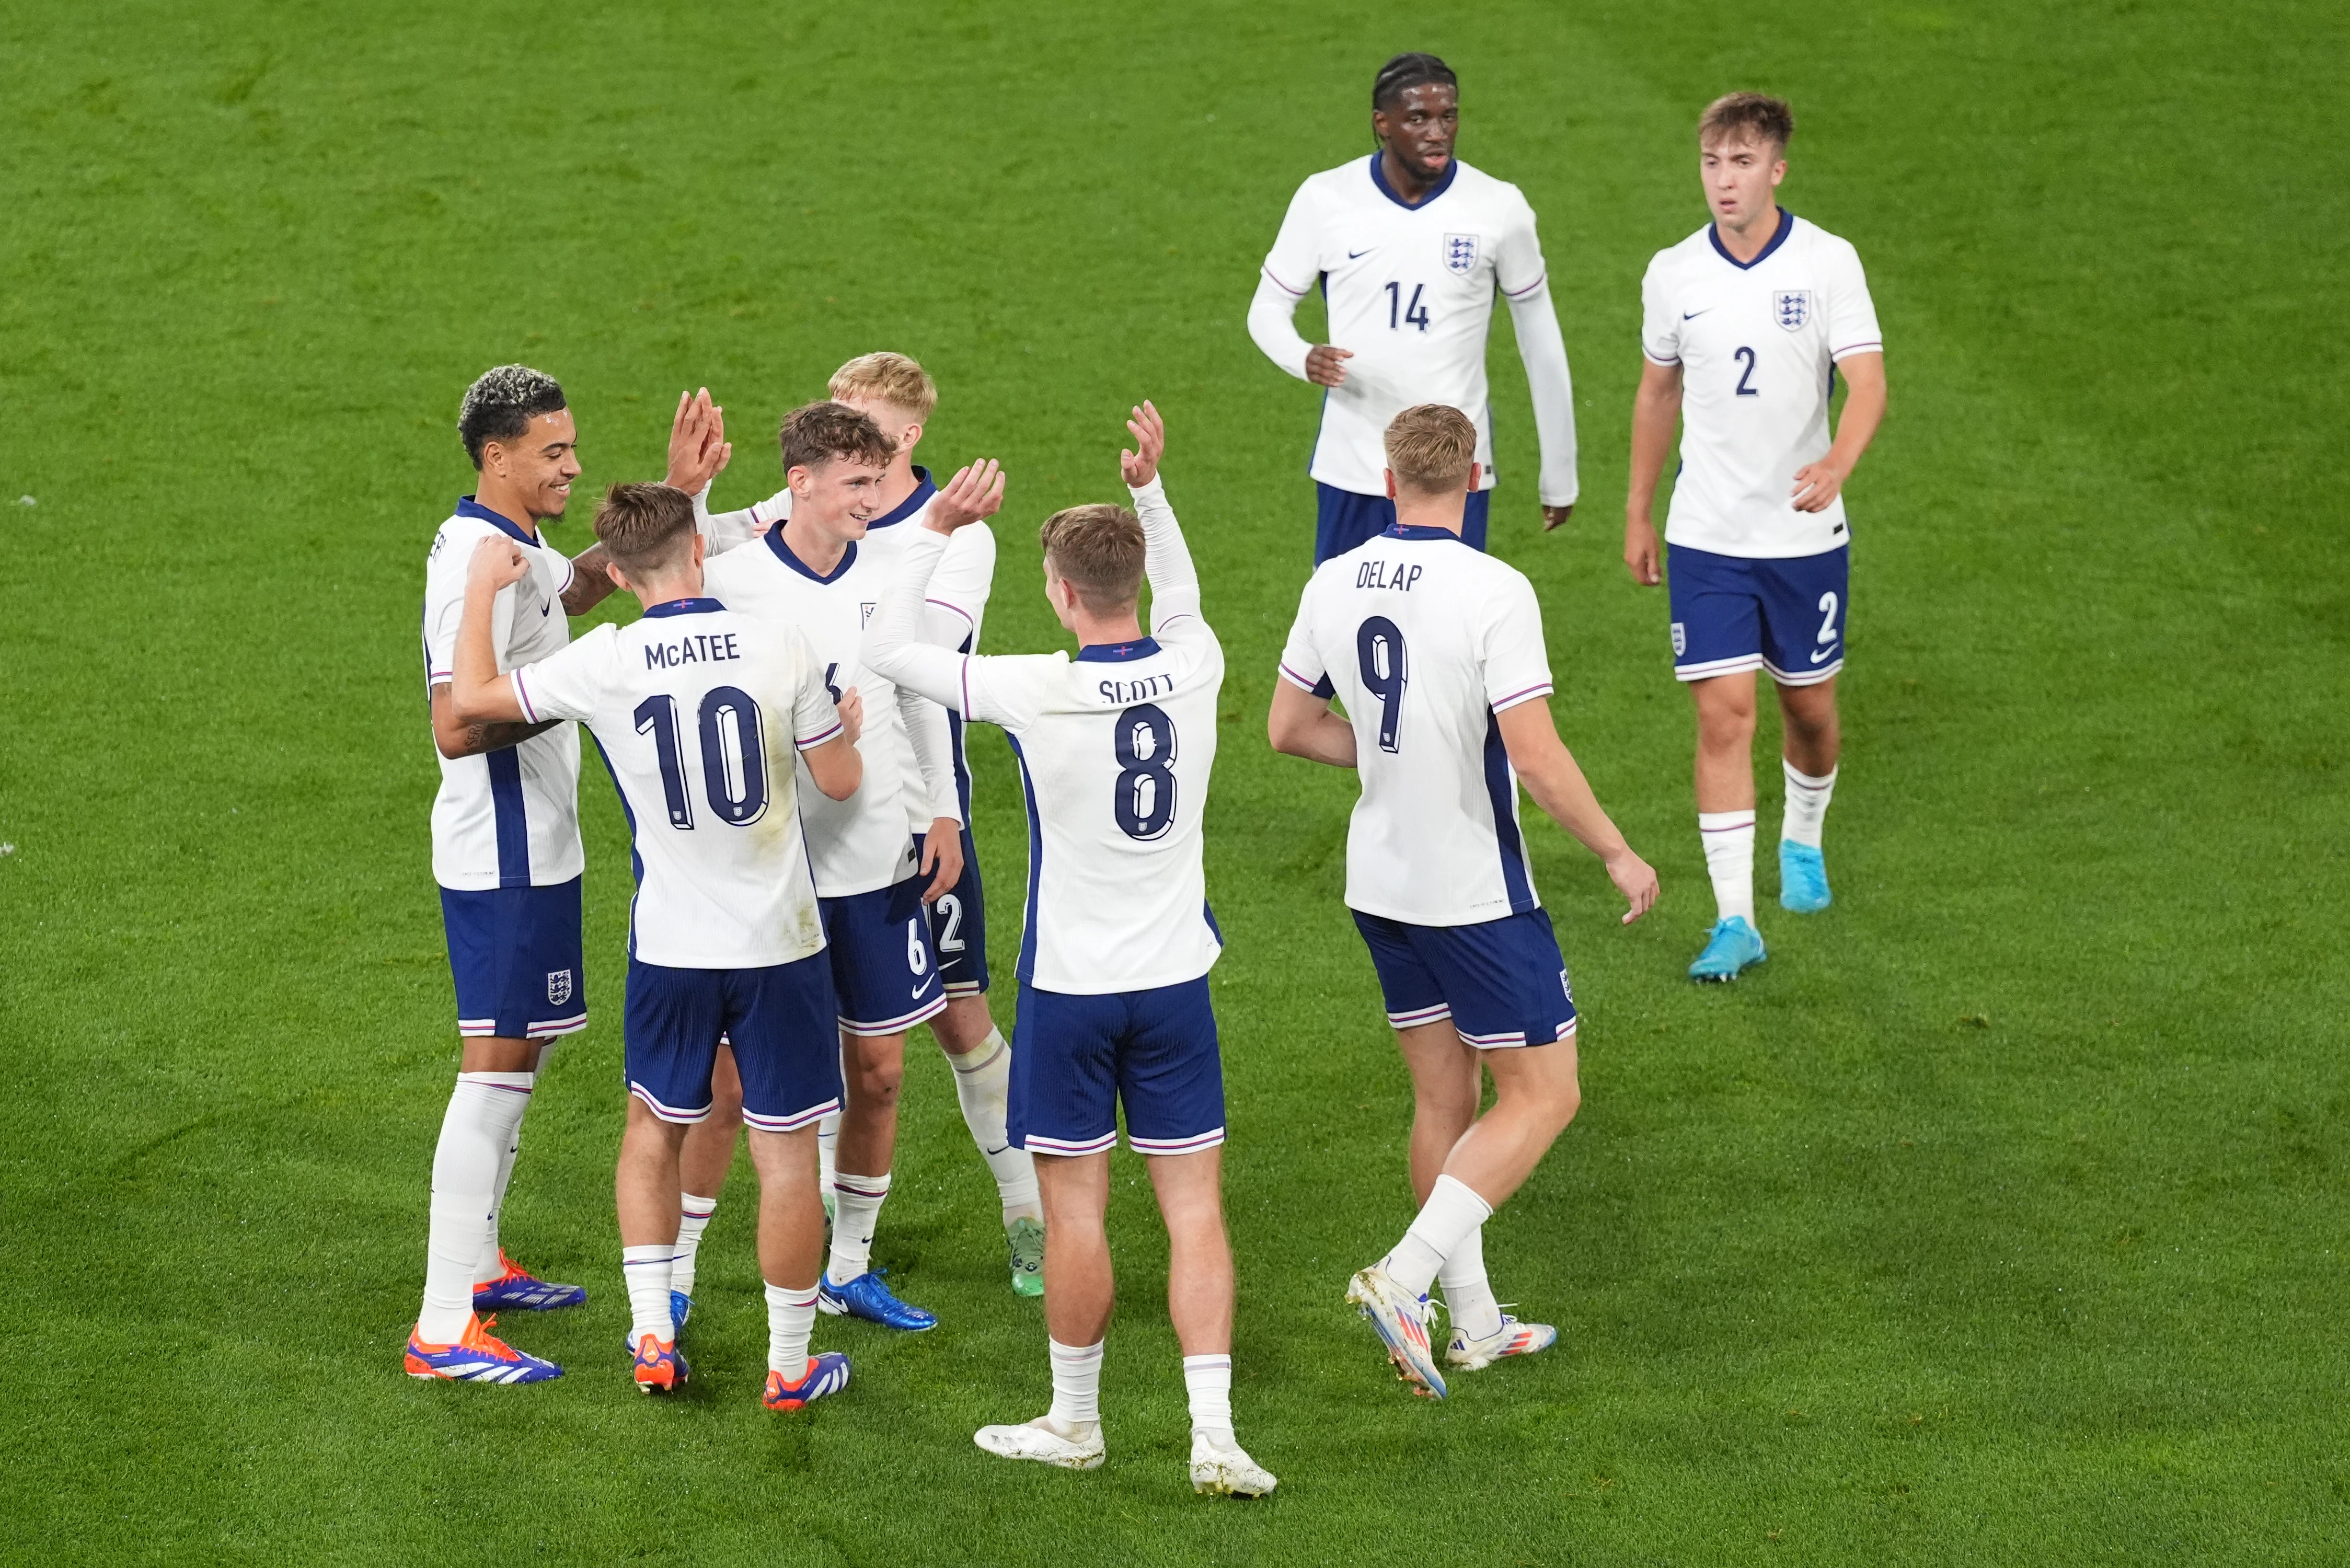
(861, 842)
(1411, 293)
(702, 715)
(1115, 747)
(955, 606)
(1757, 343)
(507, 818)
(1424, 641)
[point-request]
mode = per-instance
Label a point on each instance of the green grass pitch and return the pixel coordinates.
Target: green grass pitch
(1997, 1219)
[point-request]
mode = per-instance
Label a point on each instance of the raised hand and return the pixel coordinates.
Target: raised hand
(496, 561)
(974, 492)
(698, 447)
(1141, 465)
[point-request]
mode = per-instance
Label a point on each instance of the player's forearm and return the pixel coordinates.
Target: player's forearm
(591, 580)
(1272, 323)
(1558, 786)
(722, 531)
(478, 693)
(891, 648)
(1301, 724)
(1653, 416)
(926, 728)
(1165, 559)
(1864, 409)
(1542, 350)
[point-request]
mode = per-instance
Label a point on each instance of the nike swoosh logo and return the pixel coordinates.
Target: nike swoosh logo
(1821, 653)
(1352, 255)
(1694, 315)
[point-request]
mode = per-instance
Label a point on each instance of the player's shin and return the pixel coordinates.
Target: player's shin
(646, 1271)
(857, 1211)
(1807, 805)
(1728, 839)
(1076, 1387)
(982, 1085)
(492, 1262)
(1467, 1294)
(693, 1218)
(485, 1109)
(791, 1319)
(1452, 1214)
(1208, 1383)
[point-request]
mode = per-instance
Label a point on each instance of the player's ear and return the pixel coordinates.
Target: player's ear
(1476, 473)
(1388, 474)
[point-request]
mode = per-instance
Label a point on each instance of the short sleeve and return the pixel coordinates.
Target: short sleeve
(1010, 689)
(1518, 266)
(1660, 324)
(569, 684)
(1852, 315)
(1295, 259)
(815, 717)
(1516, 665)
(1302, 664)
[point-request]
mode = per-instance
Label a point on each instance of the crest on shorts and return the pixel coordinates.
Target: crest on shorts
(558, 987)
(1567, 986)
(1680, 640)
(1461, 253)
(1792, 307)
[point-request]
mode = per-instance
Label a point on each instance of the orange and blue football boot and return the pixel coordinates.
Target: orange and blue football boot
(660, 1369)
(518, 1289)
(825, 1374)
(478, 1356)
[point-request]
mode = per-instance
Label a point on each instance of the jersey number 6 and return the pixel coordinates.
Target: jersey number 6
(723, 709)
(1144, 801)
(1379, 650)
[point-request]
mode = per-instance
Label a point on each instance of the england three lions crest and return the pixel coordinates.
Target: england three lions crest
(1793, 307)
(1460, 254)
(558, 987)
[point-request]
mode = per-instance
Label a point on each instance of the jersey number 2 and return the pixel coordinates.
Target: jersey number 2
(1378, 653)
(1145, 803)
(1746, 355)
(733, 778)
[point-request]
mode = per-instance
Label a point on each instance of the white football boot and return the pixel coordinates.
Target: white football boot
(1402, 1320)
(1221, 1468)
(1512, 1338)
(1038, 1440)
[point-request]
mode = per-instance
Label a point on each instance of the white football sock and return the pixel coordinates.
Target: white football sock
(856, 1208)
(493, 1265)
(484, 1108)
(1207, 1379)
(1076, 1383)
(1730, 860)
(692, 1219)
(1452, 1212)
(1467, 1294)
(791, 1318)
(1807, 805)
(646, 1271)
(827, 1150)
(984, 1085)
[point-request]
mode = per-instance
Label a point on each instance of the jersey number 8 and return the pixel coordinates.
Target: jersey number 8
(1145, 801)
(735, 777)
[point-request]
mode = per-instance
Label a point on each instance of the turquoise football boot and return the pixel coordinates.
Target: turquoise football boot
(1734, 945)
(1803, 879)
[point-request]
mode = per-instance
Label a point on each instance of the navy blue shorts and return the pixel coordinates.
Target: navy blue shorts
(778, 1021)
(1782, 613)
(884, 969)
(959, 928)
(1502, 983)
(515, 954)
(1075, 1059)
(1347, 519)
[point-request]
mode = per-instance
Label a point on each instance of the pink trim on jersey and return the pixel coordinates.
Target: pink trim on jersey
(1528, 695)
(811, 742)
(521, 698)
(957, 609)
(1516, 294)
(1876, 343)
(966, 686)
(1300, 293)
(1298, 681)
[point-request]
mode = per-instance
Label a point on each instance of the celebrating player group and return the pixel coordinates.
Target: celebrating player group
(786, 723)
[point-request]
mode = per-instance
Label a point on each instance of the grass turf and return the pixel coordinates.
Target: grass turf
(1995, 1219)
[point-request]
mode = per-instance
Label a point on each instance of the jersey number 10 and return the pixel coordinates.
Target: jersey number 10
(733, 778)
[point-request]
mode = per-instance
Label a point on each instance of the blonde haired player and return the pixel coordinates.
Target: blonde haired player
(1437, 651)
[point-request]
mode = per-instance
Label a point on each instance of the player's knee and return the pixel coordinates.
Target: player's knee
(876, 1083)
(1726, 725)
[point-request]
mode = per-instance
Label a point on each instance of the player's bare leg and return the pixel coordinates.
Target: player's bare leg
(645, 1190)
(1536, 1095)
(791, 1258)
(1190, 1191)
(982, 1060)
(702, 1165)
(1079, 1293)
(1725, 821)
(1447, 1083)
(1814, 739)
(872, 1070)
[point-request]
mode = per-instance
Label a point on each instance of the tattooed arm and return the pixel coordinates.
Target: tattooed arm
(589, 581)
(457, 739)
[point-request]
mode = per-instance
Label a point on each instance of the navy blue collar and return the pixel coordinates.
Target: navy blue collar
(783, 554)
(1116, 652)
(923, 491)
(1380, 178)
(469, 507)
(1415, 531)
(685, 606)
(1786, 227)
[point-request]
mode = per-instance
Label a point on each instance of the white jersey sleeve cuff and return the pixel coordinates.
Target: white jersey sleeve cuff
(1503, 705)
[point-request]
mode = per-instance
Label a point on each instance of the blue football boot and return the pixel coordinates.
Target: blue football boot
(867, 1297)
(1733, 946)
(1803, 877)
(519, 1290)
(827, 1373)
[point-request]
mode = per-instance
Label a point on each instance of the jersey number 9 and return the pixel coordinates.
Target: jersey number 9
(1144, 801)
(1378, 651)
